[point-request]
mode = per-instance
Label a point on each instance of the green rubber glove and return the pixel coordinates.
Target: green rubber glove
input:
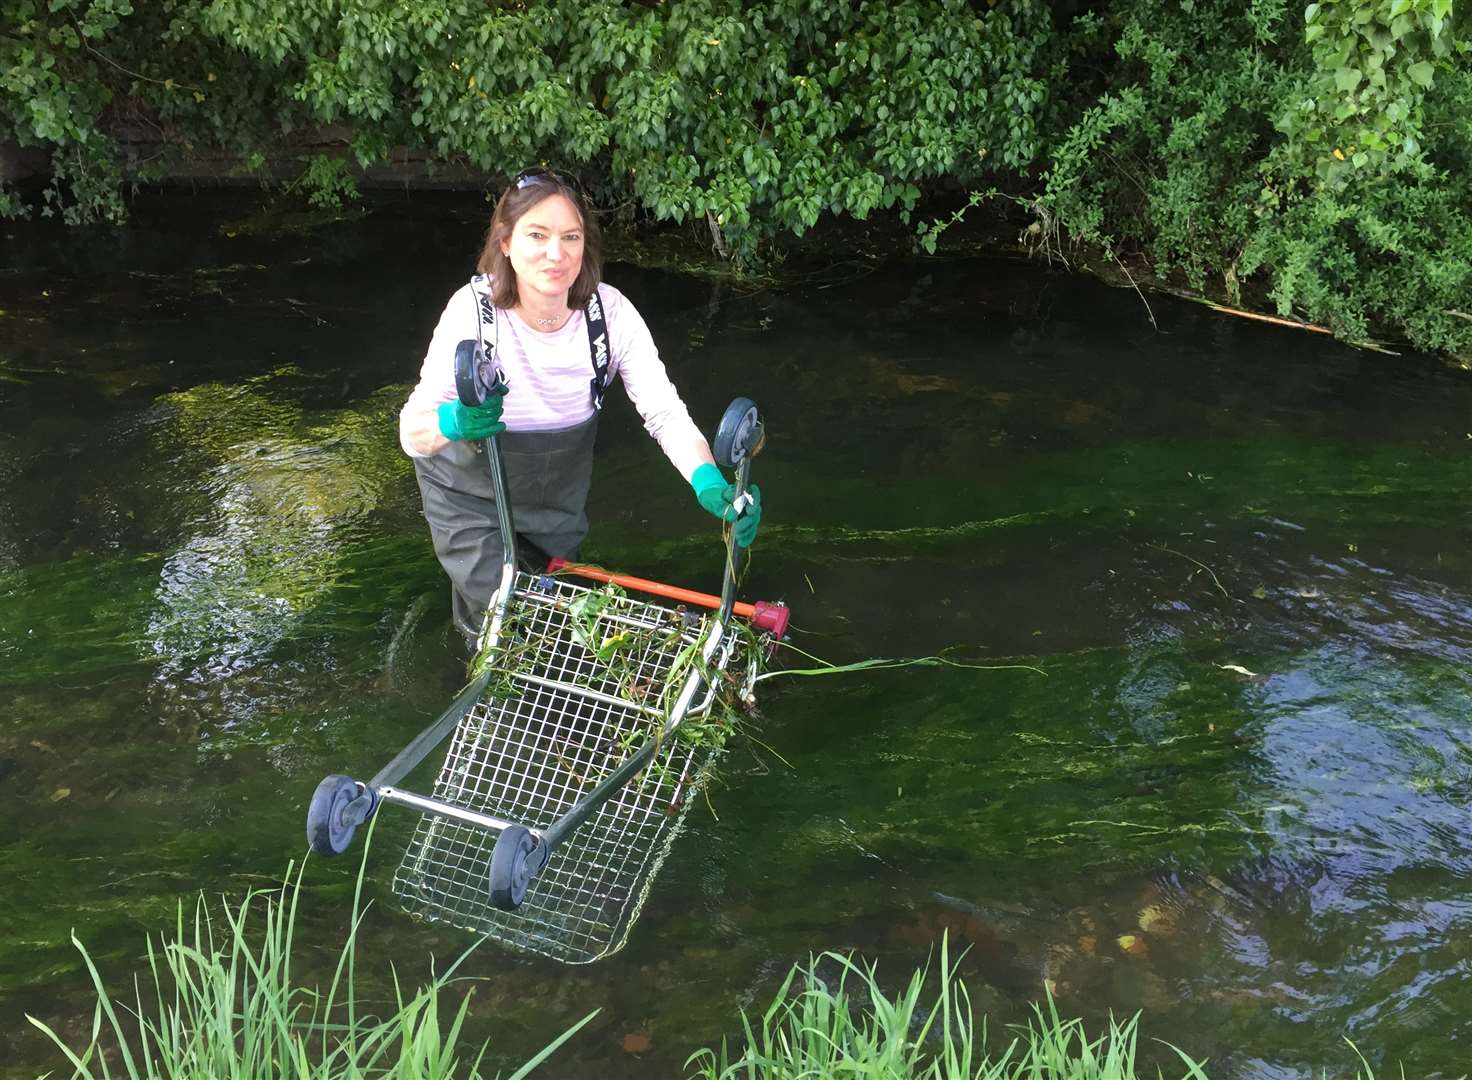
(751, 517)
(714, 495)
(459, 421)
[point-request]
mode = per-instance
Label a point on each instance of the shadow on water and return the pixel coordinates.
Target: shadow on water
(1237, 797)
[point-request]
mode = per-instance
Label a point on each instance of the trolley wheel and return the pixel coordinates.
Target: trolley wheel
(328, 832)
(738, 433)
(469, 386)
(511, 871)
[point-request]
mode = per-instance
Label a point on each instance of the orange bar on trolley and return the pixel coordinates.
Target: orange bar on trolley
(767, 616)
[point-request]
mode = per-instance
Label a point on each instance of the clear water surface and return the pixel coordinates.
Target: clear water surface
(1239, 554)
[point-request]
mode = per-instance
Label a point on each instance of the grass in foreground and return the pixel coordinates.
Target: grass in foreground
(825, 1029)
(222, 1004)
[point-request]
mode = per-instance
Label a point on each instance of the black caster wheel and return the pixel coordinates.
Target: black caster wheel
(738, 434)
(329, 830)
(512, 867)
(470, 384)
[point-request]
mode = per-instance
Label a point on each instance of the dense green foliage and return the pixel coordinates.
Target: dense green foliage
(78, 77)
(1322, 150)
(1318, 151)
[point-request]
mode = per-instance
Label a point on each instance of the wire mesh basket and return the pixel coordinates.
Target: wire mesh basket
(530, 756)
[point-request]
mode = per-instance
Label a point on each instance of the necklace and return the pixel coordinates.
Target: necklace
(553, 321)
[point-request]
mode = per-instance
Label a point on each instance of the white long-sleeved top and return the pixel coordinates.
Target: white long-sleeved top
(548, 376)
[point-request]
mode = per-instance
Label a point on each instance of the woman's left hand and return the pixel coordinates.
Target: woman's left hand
(751, 517)
(716, 496)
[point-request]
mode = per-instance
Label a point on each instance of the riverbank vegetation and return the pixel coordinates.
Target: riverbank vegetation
(1311, 157)
(222, 1000)
(832, 1018)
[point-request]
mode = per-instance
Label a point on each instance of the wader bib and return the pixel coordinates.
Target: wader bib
(547, 477)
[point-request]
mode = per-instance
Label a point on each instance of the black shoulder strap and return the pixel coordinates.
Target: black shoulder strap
(597, 347)
(485, 314)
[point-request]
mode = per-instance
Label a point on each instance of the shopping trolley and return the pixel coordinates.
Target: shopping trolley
(567, 780)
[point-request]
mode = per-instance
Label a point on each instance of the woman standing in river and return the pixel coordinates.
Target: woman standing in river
(559, 336)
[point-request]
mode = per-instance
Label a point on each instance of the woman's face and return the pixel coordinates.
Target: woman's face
(546, 248)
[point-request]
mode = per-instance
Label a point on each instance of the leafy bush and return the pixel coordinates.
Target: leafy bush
(1323, 149)
(841, 109)
(78, 75)
(756, 117)
(1316, 152)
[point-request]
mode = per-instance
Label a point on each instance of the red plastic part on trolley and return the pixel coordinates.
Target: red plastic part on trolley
(764, 615)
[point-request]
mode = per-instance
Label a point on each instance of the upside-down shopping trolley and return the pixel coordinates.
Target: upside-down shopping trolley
(566, 781)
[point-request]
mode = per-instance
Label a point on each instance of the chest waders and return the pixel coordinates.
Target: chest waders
(547, 478)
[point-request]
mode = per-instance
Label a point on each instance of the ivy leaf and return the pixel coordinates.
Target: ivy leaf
(1421, 73)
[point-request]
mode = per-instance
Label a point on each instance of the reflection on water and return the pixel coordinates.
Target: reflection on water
(1238, 798)
(278, 500)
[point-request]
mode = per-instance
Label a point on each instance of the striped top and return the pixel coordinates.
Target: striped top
(548, 376)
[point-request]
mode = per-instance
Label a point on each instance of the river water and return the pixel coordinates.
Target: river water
(1234, 794)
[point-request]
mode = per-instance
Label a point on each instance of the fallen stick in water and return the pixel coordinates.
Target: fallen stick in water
(1276, 320)
(1297, 324)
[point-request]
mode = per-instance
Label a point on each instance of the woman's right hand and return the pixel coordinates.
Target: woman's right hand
(459, 421)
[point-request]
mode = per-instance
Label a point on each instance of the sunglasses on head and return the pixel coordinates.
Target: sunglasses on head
(527, 177)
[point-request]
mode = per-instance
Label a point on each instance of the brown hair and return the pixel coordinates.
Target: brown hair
(521, 196)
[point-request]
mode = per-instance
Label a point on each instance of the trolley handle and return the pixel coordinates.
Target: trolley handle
(735, 553)
(740, 436)
(472, 389)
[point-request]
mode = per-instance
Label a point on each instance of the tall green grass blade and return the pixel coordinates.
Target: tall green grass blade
(1195, 1070)
(105, 1003)
(551, 1048)
(78, 1064)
